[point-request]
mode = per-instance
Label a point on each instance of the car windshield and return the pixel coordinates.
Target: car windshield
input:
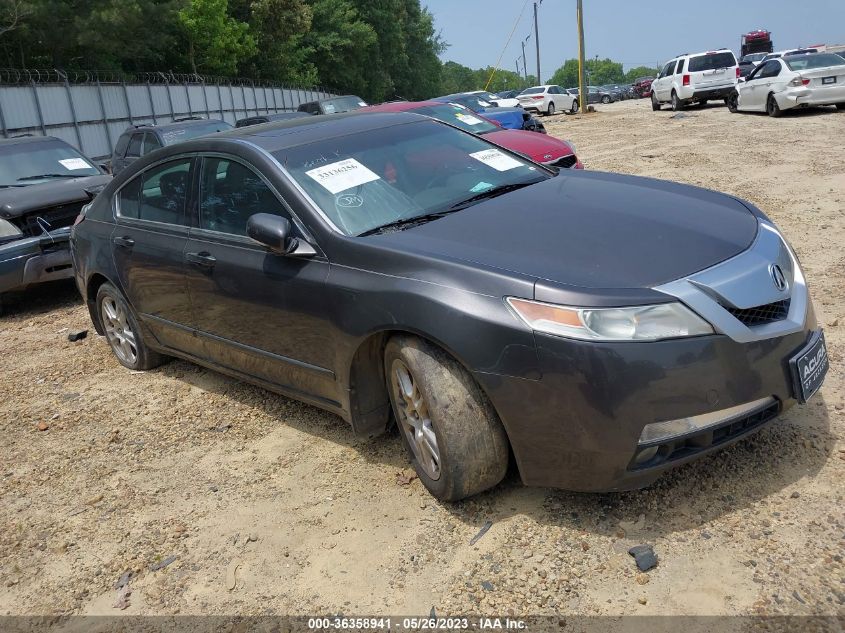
(34, 163)
(401, 172)
(711, 61)
(177, 135)
(458, 116)
(342, 104)
(814, 60)
(533, 91)
(753, 57)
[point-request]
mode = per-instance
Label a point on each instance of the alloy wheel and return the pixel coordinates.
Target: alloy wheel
(414, 419)
(119, 330)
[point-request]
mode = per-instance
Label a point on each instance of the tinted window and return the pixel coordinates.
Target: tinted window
(151, 142)
(818, 60)
(159, 194)
(458, 116)
(680, 67)
(712, 61)
(230, 192)
(122, 144)
(770, 69)
(134, 150)
(365, 180)
(342, 104)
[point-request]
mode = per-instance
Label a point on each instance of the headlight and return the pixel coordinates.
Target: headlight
(7, 229)
(636, 323)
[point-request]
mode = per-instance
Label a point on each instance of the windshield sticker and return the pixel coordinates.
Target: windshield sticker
(496, 159)
(363, 104)
(468, 119)
(482, 186)
(172, 137)
(483, 103)
(329, 107)
(343, 175)
(74, 163)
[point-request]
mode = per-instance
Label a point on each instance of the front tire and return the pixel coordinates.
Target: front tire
(575, 106)
(772, 107)
(655, 104)
(551, 109)
(677, 105)
(122, 332)
(457, 444)
(732, 101)
(840, 106)
(605, 99)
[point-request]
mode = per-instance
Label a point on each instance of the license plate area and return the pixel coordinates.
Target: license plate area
(809, 367)
(828, 80)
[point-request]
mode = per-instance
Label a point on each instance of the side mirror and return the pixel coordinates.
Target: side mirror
(275, 233)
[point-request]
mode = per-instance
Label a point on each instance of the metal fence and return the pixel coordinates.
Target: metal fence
(90, 110)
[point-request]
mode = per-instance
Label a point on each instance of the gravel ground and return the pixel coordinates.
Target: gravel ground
(206, 495)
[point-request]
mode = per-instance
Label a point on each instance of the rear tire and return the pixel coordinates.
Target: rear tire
(655, 104)
(605, 99)
(732, 101)
(772, 107)
(551, 109)
(677, 104)
(840, 106)
(122, 332)
(575, 107)
(435, 398)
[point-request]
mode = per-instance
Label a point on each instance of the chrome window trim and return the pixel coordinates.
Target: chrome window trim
(747, 275)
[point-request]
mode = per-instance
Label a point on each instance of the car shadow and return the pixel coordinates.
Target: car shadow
(796, 446)
(39, 299)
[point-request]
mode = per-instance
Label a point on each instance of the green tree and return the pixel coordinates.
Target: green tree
(216, 41)
(640, 71)
(599, 72)
(279, 27)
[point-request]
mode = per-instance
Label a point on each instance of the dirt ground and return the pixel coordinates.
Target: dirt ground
(222, 498)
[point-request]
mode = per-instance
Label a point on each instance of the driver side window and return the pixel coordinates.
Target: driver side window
(231, 192)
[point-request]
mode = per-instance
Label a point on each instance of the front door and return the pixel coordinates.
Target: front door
(147, 245)
(258, 312)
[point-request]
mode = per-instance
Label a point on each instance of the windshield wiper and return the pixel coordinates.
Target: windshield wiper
(404, 223)
(490, 193)
(46, 176)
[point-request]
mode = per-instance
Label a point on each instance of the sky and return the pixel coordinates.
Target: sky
(635, 32)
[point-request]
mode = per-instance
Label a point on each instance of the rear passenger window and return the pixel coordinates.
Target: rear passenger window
(158, 195)
(151, 143)
(134, 150)
(230, 192)
(122, 144)
(680, 67)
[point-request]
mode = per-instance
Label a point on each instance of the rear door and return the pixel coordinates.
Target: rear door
(710, 71)
(147, 246)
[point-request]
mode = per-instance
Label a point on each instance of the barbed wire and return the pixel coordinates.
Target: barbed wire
(17, 76)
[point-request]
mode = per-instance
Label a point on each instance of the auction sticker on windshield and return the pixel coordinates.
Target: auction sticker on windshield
(74, 163)
(468, 119)
(496, 159)
(342, 175)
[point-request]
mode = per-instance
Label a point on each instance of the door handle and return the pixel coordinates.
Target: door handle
(125, 242)
(204, 259)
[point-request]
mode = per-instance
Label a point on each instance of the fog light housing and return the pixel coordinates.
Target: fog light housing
(645, 455)
(663, 431)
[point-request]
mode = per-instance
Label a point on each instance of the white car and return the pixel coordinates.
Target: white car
(695, 78)
(547, 99)
(495, 100)
(793, 81)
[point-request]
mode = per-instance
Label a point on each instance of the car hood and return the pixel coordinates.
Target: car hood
(539, 147)
(18, 201)
(591, 230)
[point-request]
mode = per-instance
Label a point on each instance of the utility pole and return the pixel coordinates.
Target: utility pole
(524, 60)
(583, 96)
(537, 40)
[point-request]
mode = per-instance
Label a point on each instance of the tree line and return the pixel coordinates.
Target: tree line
(379, 50)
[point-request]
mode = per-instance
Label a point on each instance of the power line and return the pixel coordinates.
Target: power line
(499, 61)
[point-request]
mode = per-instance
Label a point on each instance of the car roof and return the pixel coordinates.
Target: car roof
(26, 139)
(400, 106)
(278, 135)
(172, 125)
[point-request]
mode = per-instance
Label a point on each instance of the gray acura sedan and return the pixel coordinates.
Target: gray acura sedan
(388, 267)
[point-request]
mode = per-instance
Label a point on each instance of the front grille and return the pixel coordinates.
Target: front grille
(760, 315)
(567, 162)
(53, 218)
(689, 445)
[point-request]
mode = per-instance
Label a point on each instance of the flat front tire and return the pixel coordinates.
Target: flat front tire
(122, 332)
(457, 444)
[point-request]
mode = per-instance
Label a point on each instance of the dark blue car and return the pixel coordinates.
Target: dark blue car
(44, 183)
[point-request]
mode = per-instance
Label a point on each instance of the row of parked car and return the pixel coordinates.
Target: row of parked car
(771, 83)
(45, 182)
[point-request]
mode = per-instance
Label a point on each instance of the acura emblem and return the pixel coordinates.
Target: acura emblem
(778, 278)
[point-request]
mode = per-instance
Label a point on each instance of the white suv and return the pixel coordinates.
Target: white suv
(548, 99)
(695, 78)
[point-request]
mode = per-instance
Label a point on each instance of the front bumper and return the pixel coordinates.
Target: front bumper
(579, 426)
(35, 260)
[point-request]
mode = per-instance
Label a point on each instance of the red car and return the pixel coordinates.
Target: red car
(540, 148)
